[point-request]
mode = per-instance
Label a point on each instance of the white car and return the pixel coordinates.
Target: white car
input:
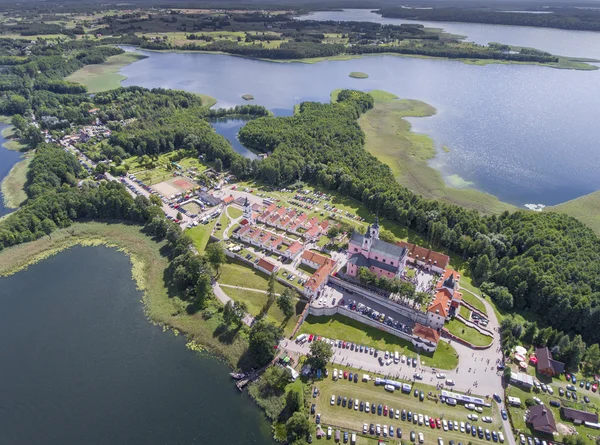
(329, 432)
(397, 416)
(470, 406)
(426, 419)
(421, 439)
(462, 427)
(486, 419)
(332, 399)
(440, 441)
(385, 431)
(440, 375)
(550, 390)
(450, 382)
(367, 407)
(501, 436)
(335, 374)
(473, 417)
(421, 419)
(537, 400)
(355, 404)
(522, 439)
(378, 429)
(445, 425)
(479, 409)
(403, 359)
(365, 428)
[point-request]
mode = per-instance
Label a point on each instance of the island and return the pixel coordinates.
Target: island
(248, 97)
(359, 75)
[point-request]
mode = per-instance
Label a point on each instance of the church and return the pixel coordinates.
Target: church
(381, 258)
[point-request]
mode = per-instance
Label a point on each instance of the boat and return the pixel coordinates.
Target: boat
(237, 375)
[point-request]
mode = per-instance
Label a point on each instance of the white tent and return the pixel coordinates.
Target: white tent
(520, 350)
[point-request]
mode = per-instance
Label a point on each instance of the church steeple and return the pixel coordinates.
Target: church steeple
(248, 211)
(367, 240)
(374, 229)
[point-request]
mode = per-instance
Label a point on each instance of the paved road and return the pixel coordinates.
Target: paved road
(224, 298)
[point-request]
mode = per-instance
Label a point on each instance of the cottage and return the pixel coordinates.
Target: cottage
(540, 418)
(266, 266)
(546, 365)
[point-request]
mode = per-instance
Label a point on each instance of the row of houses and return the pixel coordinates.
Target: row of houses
(255, 236)
(293, 221)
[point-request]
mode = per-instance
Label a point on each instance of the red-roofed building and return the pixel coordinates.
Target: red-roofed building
(313, 259)
(228, 199)
(446, 296)
(294, 249)
(426, 337)
(315, 284)
(426, 258)
(266, 266)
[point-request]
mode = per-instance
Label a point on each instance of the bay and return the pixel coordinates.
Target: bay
(524, 133)
(81, 363)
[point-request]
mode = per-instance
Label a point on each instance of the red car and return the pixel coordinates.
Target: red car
(344, 345)
(385, 410)
(438, 423)
(595, 387)
(345, 374)
(431, 422)
(310, 338)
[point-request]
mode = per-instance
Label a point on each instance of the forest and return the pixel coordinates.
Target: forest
(571, 18)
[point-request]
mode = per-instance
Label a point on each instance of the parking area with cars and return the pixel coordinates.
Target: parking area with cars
(350, 400)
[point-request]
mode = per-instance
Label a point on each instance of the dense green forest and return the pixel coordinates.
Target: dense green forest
(572, 18)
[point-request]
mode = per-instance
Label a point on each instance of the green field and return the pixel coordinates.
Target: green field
(234, 213)
(465, 312)
(468, 333)
(13, 185)
(256, 302)
(201, 234)
(344, 328)
(585, 208)
(235, 273)
(224, 221)
(104, 76)
(473, 301)
(345, 418)
(390, 139)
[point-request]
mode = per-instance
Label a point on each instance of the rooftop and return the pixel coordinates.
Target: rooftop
(314, 257)
(266, 265)
(426, 333)
(426, 255)
(541, 419)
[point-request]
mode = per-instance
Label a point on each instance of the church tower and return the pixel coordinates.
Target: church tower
(248, 211)
(367, 241)
(375, 229)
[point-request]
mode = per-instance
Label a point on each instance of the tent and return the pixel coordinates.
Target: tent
(519, 357)
(523, 365)
(533, 359)
(520, 350)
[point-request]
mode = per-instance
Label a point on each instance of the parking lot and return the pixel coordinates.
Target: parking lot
(426, 403)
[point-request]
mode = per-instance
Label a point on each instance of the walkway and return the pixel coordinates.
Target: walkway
(245, 288)
(224, 298)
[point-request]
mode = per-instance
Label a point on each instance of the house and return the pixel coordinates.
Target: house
(578, 417)
(446, 297)
(318, 280)
(425, 337)
(293, 251)
(266, 266)
(540, 418)
(228, 199)
(546, 365)
(426, 258)
(381, 258)
(313, 259)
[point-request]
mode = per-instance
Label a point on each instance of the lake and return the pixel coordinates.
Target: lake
(8, 158)
(556, 41)
(524, 133)
(229, 128)
(82, 364)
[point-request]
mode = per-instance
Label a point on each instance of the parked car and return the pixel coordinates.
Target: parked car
(504, 415)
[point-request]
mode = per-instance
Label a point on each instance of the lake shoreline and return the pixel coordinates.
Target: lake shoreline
(12, 187)
(577, 65)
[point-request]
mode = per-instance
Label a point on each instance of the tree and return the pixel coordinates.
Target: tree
(234, 312)
(215, 254)
(219, 165)
(320, 354)
(285, 302)
(293, 400)
(203, 290)
(482, 269)
(264, 338)
(155, 200)
(179, 216)
(507, 374)
(592, 358)
(297, 427)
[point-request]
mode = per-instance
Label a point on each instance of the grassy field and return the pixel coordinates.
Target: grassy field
(201, 234)
(256, 301)
(235, 273)
(468, 333)
(464, 312)
(149, 264)
(585, 208)
(234, 212)
(7, 134)
(344, 328)
(224, 221)
(389, 138)
(13, 186)
(104, 76)
(474, 301)
(345, 418)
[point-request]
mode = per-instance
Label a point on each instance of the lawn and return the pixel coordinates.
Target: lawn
(13, 185)
(256, 301)
(467, 333)
(344, 328)
(465, 312)
(201, 234)
(104, 76)
(344, 418)
(234, 213)
(235, 273)
(474, 301)
(390, 139)
(224, 221)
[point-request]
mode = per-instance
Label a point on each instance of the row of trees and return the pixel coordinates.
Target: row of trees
(393, 285)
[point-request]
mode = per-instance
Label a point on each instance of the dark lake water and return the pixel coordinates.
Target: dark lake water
(81, 364)
(229, 128)
(555, 41)
(8, 158)
(526, 134)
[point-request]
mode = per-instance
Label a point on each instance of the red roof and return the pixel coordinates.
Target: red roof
(441, 302)
(228, 199)
(295, 247)
(426, 333)
(266, 265)
(314, 257)
(426, 255)
(320, 275)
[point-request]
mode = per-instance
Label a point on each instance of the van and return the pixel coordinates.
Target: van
(353, 440)
(301, 338)
(396, 357)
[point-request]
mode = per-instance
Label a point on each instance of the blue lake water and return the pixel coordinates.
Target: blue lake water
(229, 128)
(8, 158)
(524, 133)
(81, 364)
